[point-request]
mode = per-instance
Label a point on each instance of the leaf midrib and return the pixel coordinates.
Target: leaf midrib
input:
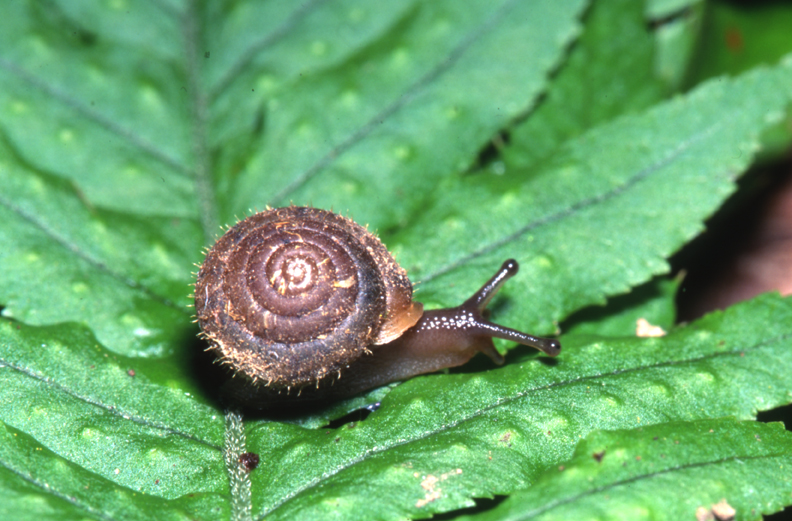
(137, 142)
(508, 400)
(48, 489)
(410, 93)
(112, 409)
(576, 207)
(642, 477)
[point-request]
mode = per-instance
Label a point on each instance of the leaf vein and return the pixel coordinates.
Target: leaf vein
(261, 44)
(409, 94)
(75, 250)
(517, 396)
(108, 124)
(48, 489)
(115, 411)
(636, 479)
(204, 188)
(674, 154)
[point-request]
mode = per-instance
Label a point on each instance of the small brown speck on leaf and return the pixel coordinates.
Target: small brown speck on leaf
(131, 372)
(598, 456)
(249, 460)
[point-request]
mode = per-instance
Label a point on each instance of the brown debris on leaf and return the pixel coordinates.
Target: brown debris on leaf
(249, 460)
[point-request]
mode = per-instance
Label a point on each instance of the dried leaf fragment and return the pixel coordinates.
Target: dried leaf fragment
(720, 511)
(644, 329)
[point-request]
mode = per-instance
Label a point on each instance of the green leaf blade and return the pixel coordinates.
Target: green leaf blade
(36, 482)
(526, 417)
(412, 102)
(135, 299)
(92, 104)
(617, 475)
(604, 77)
(85, 401)
(602, 216)
(128, 133)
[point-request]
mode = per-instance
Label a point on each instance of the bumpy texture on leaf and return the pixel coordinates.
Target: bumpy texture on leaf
(132, 421)
(129, 131)
(603, 214)
(103, 129)
(581, 96)
(374, 131)
(693, 465)
(438, 441)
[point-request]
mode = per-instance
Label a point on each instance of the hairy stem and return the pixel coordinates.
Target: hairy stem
(239, 482)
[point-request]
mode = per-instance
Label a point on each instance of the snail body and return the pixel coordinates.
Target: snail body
(299, 297)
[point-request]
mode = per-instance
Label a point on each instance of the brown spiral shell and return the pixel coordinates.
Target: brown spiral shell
(292, 295)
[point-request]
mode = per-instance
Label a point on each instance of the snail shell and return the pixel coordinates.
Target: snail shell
(292, 295)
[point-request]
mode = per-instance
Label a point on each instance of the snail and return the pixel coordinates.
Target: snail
(297, 298)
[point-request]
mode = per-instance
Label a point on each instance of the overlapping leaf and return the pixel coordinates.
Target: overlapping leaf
(606, 211)
(375, 132)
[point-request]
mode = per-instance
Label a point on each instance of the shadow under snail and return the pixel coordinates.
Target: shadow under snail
(296, 298)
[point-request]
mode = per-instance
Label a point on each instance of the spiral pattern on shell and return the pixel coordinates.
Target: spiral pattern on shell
(292, 295)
